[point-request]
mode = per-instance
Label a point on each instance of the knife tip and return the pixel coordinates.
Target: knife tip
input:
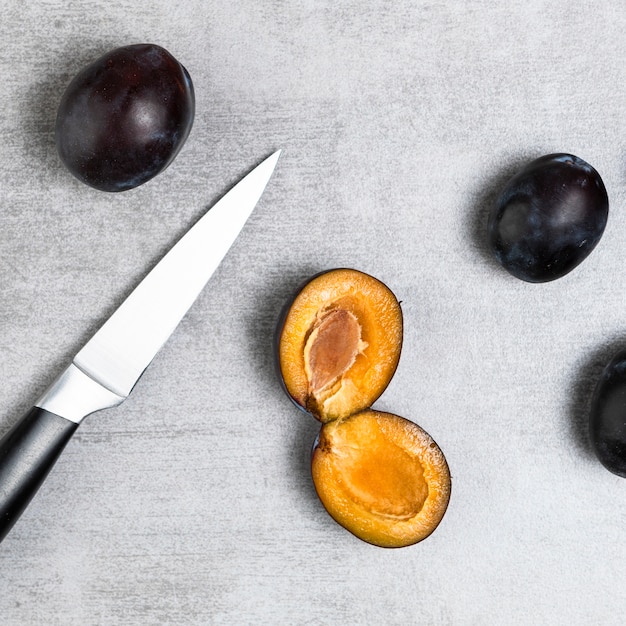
(271, 161)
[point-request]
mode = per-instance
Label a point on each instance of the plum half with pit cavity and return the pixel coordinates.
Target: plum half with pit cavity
(381, 477)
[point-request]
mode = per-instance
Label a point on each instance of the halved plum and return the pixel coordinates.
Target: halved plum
(381, 477)
(339, 344)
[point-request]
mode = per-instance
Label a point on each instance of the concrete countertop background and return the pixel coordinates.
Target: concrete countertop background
(192, 502)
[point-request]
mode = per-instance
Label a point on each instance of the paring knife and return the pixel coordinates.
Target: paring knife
(106, 369)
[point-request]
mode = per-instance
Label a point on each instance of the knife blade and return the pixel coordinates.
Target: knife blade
(107, 367)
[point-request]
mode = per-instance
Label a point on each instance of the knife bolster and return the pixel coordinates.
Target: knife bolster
(74, 395)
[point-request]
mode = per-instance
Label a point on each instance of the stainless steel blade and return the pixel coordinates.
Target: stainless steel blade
(124, 346)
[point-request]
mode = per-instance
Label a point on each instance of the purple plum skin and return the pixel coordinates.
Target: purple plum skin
(123, 119)
(607, 423)
(548, 218)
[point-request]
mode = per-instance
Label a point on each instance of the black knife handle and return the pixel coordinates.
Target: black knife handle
(27, 453)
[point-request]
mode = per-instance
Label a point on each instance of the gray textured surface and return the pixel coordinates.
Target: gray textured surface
(192, 502)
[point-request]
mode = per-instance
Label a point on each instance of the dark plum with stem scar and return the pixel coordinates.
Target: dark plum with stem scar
(548, 218)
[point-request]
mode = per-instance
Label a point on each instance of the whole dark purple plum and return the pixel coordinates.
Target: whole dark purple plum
(548, 218)
(607, 424)
(123, 119)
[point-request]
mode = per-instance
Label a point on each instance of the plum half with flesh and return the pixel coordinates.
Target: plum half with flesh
(381, 477)
(377, 474)
(339, 344)
(123, 119)
(548, 218)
